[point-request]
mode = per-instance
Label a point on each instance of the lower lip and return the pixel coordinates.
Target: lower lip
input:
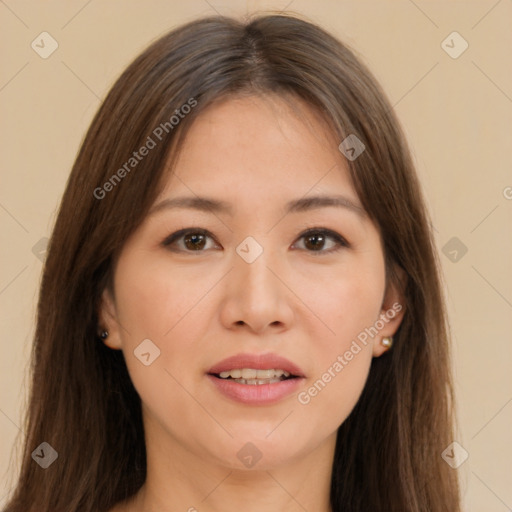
(259, 394)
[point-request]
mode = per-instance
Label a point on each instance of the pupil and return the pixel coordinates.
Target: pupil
(317, 241)
(194, 242)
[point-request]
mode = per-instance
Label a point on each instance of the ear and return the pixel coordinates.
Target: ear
(108, 320)
(392, 310)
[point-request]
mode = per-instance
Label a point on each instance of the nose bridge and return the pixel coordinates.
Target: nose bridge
(255, 296)
(251, 267)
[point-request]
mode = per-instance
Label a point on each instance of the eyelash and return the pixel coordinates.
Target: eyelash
(338, 239)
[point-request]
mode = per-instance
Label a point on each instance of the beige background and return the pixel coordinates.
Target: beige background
(457, 116)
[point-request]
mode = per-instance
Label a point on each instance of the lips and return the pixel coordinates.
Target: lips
(282, 378)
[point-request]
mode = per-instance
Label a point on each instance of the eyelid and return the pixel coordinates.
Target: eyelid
(166, 242)
(340, 240)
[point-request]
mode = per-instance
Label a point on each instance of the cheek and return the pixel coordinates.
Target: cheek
(153, 298)
(355, 307)
(163, 305)
(152, 303)
(348, 304)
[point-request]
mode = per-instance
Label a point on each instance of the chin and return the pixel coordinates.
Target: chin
(255, 452)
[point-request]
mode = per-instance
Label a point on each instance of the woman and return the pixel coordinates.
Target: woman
(241, 304)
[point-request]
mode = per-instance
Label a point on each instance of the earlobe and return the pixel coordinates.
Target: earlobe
(108, 327)
(391, 315)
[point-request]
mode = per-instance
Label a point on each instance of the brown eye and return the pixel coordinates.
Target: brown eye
(195, 241)
(322, 241)
(314, 242)
(190, 240)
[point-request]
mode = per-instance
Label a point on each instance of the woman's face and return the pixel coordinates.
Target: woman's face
(279, 269)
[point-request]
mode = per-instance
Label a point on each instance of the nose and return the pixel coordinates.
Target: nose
(256, 299)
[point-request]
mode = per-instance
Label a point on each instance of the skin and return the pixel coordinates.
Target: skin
(200, 307)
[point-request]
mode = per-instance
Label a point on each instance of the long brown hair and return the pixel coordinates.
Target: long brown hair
(82, 402)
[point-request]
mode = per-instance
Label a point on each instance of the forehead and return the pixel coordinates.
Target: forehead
(260, 147)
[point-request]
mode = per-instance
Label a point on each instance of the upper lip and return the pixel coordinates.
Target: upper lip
(257, 362)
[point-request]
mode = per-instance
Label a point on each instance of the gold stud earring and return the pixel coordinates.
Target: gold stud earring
(387, 342)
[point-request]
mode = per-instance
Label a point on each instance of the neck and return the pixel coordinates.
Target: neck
(179, 480)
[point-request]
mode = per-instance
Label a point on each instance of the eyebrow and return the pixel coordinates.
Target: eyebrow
(303, 204)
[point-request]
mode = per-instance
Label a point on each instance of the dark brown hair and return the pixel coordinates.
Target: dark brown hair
(82, 402)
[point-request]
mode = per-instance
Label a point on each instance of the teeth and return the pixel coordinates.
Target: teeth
(248, 373)
(254, 382)
(254, 376)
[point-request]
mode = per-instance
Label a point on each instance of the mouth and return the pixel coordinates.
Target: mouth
(256, 379)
